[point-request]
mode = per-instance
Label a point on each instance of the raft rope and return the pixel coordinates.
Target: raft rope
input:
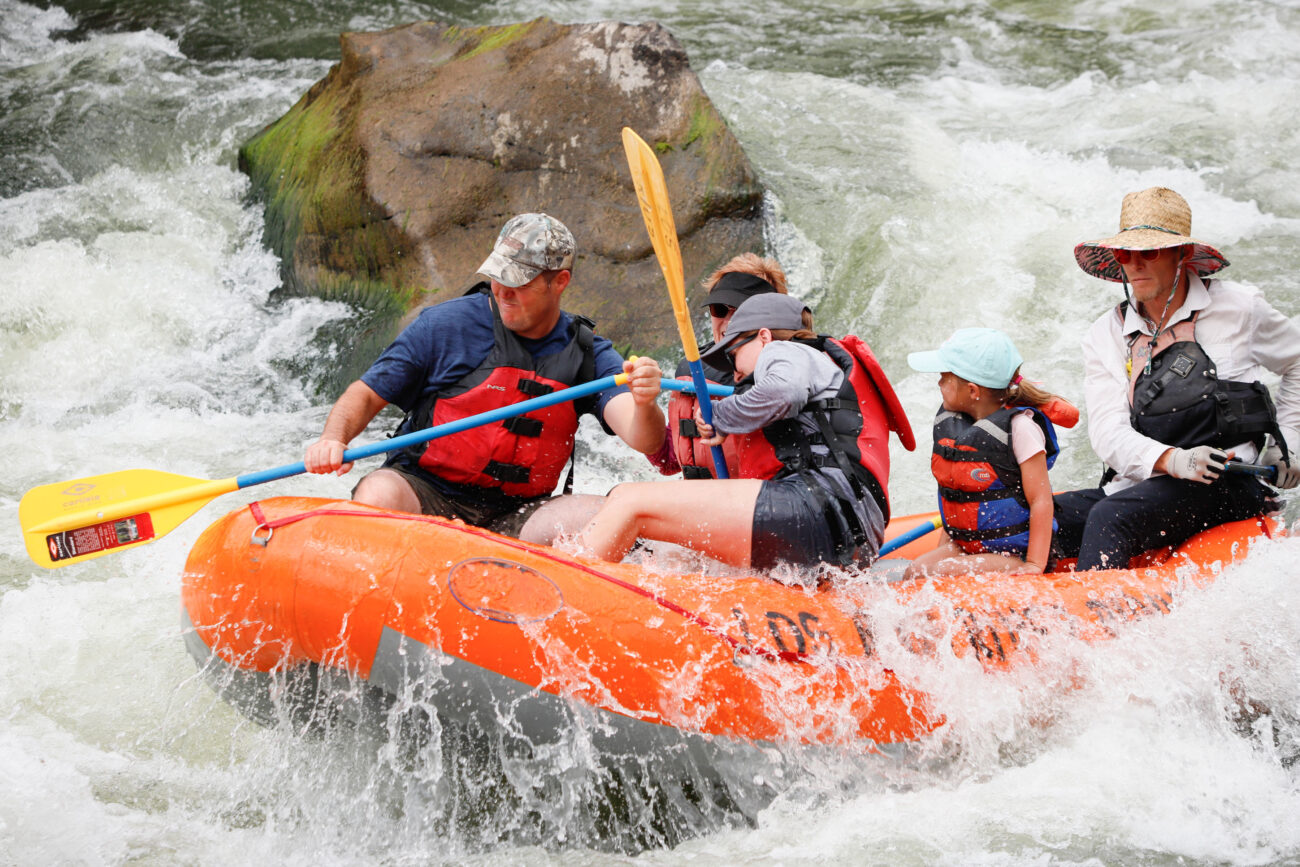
(738, 647)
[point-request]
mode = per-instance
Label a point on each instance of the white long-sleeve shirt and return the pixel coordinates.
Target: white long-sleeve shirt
(1239, 331)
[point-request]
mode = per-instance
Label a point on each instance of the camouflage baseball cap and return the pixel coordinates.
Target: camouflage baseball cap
(528, 245)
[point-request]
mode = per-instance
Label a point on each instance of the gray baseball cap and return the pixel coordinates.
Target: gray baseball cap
(528, 245)
(770, 310)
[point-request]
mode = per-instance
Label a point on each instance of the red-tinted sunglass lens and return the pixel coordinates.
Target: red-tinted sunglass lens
(1126, 256)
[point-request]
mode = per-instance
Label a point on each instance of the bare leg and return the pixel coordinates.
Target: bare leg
(970, 563)
(564, 514)
(948, 559)
(712, 516)
(387, 490)
(926, 563)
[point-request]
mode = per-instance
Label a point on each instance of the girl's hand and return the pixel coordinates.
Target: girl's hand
(708, 436)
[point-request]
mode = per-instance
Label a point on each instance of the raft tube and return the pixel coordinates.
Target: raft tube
(484, 630)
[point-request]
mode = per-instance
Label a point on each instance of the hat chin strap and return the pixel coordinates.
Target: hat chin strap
(1158, 327)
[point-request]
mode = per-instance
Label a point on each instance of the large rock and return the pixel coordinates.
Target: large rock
(386, 184)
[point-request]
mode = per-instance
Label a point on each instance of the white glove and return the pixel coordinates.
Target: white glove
(1288, 474)
(1201, 464)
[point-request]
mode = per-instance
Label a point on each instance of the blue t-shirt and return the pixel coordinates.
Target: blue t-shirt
(446, 343)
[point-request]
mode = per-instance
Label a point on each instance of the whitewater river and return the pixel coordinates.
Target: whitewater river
(931, 165)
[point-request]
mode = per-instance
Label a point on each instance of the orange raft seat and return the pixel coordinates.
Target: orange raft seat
(479, 628)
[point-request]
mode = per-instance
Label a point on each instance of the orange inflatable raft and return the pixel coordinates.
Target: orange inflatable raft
(476, 626)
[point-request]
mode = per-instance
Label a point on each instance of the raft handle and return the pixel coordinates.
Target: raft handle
(262, 540)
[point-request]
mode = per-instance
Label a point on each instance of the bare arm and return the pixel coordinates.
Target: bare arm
(635, 415)
(1038, 490)
(354, 409)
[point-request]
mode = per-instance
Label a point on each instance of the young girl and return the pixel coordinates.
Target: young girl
(994, 441)
(811, 430)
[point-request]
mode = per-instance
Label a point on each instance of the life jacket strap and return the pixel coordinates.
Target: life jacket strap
(533, 388)
(508, 473)
(960, 535)
(523, 426)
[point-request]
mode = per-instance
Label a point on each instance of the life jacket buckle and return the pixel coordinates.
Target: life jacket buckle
(263, 541)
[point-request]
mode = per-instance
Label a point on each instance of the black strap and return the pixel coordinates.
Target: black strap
(509, 473)
(522, 425)
(533, 388)
(837, 452)
(959, 535)
(953, 495)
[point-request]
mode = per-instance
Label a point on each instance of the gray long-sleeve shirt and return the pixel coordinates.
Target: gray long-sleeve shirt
(787, 376)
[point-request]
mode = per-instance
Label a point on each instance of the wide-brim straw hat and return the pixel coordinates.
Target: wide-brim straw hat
(1152, 219)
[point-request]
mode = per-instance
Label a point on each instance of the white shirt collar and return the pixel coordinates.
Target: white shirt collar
(1198, 298)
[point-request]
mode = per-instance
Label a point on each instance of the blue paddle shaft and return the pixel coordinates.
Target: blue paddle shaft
(453, 427)
(715, 390)
(910, 536)
(1264, 472)
(706, 413)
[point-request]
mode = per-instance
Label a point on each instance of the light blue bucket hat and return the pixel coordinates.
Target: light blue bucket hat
(984, 356)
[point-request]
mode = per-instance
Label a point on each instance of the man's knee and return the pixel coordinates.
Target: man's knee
(386, 489)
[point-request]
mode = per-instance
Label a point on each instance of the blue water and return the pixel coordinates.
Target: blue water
(930, 165)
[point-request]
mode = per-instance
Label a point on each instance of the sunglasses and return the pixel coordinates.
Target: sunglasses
(1125, 256)
(720, 311)
(731, 351)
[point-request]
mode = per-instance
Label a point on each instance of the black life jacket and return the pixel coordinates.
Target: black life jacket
(854, 426)
(1177, 398)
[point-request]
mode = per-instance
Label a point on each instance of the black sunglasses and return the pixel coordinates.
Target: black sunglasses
(731, 350)
(720, 311)
(1125, 256)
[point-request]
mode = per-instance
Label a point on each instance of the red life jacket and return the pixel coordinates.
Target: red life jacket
(981, 493)
(523, 455)
(695, 458)
(854, 426)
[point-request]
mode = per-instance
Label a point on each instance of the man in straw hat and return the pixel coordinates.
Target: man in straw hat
(1172, 390)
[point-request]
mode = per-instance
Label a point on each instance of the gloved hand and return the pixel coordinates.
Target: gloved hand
(1288, 474)
(1201, 464)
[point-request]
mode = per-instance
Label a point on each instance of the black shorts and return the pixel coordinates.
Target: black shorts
(508, 521)
(794, 524)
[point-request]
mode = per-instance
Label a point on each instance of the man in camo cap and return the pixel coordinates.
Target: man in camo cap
(505, 341)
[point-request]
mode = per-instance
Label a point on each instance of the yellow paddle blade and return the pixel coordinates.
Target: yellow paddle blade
(74, 521)
(657, 211)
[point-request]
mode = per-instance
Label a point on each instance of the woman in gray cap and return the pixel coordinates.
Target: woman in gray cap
(811, 429)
